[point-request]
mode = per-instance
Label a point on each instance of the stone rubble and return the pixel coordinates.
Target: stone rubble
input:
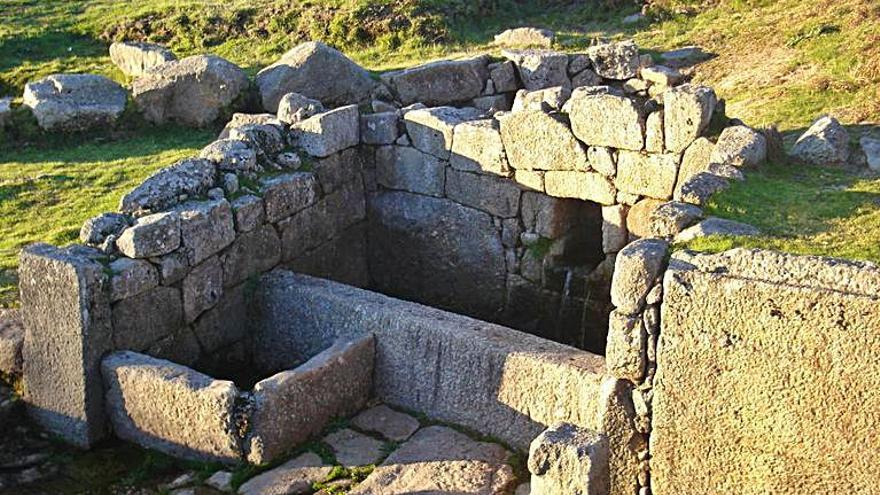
(75, 102)
(136, 58)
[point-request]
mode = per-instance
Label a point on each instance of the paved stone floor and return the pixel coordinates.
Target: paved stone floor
(378, 452)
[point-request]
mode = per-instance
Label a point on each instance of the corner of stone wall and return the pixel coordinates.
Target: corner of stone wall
(633, 330)
(68, 329)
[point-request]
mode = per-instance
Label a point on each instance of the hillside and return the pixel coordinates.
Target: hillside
(775, 62)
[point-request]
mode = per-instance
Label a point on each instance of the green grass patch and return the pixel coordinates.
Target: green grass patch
(805, 210)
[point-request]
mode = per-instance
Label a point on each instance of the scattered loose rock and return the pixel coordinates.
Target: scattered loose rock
(826, 142)
(75, 102)
(136, 58)
(525, 37)
(616, 60)
(193, 91)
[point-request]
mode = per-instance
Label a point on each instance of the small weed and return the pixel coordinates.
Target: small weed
(540, 248)
(812, 33)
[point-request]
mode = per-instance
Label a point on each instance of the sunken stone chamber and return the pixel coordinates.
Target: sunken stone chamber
(453, 368)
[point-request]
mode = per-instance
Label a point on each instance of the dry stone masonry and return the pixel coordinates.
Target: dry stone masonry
(541, 193)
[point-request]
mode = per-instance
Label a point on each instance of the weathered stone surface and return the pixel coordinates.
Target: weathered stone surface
(684, 54)
(248, 212)
(696, 159)
(12, 342)
(66, 314)
(337, 382)
(535, 140)
(493, 103)
(251, 253)
(614, 232)
(408, 169)
(636, 269)
(439, 83)
(661, 74)
(553, 217)
(328, 219)
(202, 288)
(74, 102)
(136, 58)
(740, 146)
(96, 229)
(700, 187)
(225, 324)
(568, 459)
(189, 177)
(503, 76)
(600, 117)
(329, 132)
(668, 219)
(477, 147)
(172, 267)
(294, 107)
(625, 353)
(525, 37)
(193, 91)
(640, 218)
(294, 477)
(871, 148)
(305, 69)
(354, 449)
(618, 60)
(379, 128)
(733, 316)
(415, 239)
(206, 227)
(170, 408)
(241, 119)
(144, 319)
(586, 77)
(716, 226)
(826, 142)
(267, 140)
(603, 160)
(539, 69)
(530, 180)
(626, 444)
(590, 186)
(342, 259)
(181, 347)
(431, 129)
(654, 133)
(131, 277)
(687, 110)
(494, 195)
(439, 459)
(393, 425)
(152, 235)
(646, 175)
(493, 379)
(287, 194)
(544, 100)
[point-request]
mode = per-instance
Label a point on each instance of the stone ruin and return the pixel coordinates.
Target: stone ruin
(483, 242)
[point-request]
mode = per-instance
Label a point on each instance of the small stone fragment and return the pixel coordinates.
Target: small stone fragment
(393, 425)
(354, 449)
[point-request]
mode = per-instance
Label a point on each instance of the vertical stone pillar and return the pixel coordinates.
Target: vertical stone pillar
(66, 311)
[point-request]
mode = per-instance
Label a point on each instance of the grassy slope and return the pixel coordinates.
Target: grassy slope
(781, 62)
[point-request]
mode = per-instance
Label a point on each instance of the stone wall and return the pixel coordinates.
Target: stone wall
(748, 369)
(765, 377)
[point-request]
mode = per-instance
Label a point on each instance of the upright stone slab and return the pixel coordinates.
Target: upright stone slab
(567, 459)
(66, 311)
(171, 408)
(766, 378)
(294, 404)
(135, 58)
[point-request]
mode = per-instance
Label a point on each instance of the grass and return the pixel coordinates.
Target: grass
(774, 61)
